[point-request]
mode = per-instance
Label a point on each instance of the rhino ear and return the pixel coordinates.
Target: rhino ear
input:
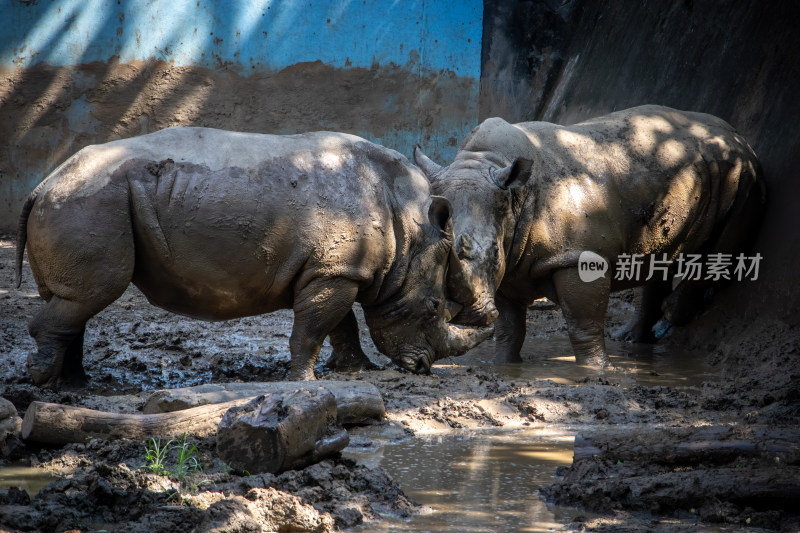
(513, 176)
(440, 214)
(429, 168)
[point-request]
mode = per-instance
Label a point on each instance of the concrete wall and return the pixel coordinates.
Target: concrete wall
(566, 61)
(78, 72)
(75, 72)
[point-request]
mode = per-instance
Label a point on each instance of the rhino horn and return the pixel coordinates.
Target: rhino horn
(462, 340)
(458, 288)
(425, 163)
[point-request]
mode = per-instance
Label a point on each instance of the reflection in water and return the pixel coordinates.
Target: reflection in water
(552, 358)
(486, 481)
(29, 479)
(478, 481)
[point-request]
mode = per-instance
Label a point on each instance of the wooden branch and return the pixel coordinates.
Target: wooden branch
(281, 431)
(357, 402)
(51, 423)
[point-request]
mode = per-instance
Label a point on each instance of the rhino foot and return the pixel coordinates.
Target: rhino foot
(44, 370)
(415, 365)
(301, 375)
(73, 381)
(507, 356)
(636, 332)
(597, 361)
(349, 361)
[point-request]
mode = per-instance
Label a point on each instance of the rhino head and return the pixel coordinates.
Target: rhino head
(483, 196)
(411, 326)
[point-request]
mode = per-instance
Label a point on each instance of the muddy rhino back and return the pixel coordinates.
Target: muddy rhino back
(233, 242)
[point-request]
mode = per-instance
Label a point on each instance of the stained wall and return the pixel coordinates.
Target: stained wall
(79, 72)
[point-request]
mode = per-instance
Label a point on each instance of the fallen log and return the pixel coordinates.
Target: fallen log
(281, 431)
(51, 423)
(357, 402)
(688, 446)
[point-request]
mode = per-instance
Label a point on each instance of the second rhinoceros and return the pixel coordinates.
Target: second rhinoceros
(648, 182)
(218, 225)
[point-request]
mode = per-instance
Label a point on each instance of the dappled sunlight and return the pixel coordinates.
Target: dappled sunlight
(99, 163)
(532, 137)
(176, 32)
(671, 153)
(78, 75)
(255, 35)
(699, 130)
(479, 481)
(45, 34)
(39, 106)
(646, 126)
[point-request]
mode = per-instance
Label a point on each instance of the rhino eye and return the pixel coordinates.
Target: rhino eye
(432, 306)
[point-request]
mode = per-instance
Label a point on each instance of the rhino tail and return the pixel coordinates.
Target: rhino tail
(22, 230)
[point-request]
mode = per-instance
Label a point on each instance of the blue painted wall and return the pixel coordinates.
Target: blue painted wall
(248, 36)
(79, 72)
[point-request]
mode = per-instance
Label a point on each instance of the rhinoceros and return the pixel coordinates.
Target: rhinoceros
(529, 198)
(218, 225)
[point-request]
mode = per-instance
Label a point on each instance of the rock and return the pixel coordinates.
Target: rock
(281, 431)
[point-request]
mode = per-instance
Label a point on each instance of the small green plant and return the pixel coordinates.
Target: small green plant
(188, 460)
(155, 456)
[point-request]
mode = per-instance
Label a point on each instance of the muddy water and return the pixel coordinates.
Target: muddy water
(486, 481)
(476, 481)
(644, 364)
(29, 479)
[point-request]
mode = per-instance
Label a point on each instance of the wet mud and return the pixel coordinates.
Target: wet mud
(745, 376)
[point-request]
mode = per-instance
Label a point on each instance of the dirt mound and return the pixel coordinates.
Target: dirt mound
(109, 484)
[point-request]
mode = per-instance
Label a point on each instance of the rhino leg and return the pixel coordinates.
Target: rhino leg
(584, 306)
(509, 329)
(686, 301)
(347, 354)
(647, 304)
(73, 376)
(318, 308)
(58, 329)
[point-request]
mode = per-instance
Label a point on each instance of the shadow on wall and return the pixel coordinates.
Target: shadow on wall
(737, 61)
(76, 73)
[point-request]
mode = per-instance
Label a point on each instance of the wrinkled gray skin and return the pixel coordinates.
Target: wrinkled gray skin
(218, 225)
(529, 198)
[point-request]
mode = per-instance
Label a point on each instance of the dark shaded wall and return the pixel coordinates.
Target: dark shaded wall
(740, 60)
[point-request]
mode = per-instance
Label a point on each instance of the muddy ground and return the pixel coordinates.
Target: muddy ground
(133, 348)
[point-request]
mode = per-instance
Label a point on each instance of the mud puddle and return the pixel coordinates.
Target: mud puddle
(475, 481)
(487, 481)
(29, 479)
(648, 365)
